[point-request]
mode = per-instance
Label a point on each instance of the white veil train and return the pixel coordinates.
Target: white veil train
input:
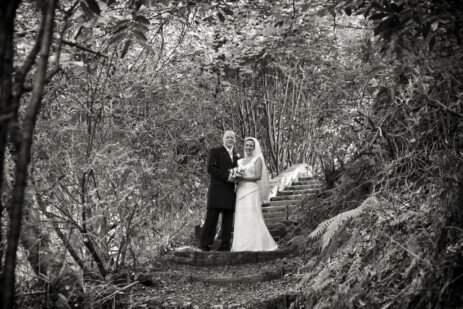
(263, 183)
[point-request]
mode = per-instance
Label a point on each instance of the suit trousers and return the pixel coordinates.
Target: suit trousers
(210, 226)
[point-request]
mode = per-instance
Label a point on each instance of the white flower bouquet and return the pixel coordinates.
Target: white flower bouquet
(237, 172)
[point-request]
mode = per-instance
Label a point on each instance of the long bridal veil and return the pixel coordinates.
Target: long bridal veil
(263, 183)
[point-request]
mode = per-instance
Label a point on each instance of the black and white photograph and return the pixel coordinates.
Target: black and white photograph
(231, 154)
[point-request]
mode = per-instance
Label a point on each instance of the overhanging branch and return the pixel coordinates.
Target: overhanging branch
(88, 50)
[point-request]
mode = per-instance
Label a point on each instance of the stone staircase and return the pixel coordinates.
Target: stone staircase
(281, 207)
(277, 211)
(244, 272)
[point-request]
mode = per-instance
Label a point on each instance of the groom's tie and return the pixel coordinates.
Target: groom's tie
(230, 153)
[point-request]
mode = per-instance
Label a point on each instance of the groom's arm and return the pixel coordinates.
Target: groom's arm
(213, 166)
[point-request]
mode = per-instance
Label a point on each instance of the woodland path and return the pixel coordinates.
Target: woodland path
(191, 278)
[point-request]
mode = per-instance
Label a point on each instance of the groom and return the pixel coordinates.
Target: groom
(221, 194)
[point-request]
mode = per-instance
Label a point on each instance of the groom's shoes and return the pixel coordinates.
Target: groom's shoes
(205, 249)
(224, 249)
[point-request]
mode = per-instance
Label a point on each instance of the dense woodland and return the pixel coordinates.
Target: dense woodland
(108, 108)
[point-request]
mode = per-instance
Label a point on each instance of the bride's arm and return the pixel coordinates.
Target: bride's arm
(258, 174)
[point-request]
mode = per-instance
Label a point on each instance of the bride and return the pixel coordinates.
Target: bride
(250, 232)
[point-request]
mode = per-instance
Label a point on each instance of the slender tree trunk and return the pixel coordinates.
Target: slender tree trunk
(7, 15)
(86, 233)
(25, 155)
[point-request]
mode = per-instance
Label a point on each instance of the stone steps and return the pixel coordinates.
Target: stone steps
(229, 275)
(276, 302)
(273, 226)
(279, 203)
(269, 221)
(235, 271)
(276, 214)
(261, 276)
(252, 285)
(310, 179)
(298, 192)
(214, 258)
(305, 182)
(303, 187)
(283, 206)
(294, 197)
(278, 208)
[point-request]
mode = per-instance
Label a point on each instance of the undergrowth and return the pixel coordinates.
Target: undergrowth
(402, 253)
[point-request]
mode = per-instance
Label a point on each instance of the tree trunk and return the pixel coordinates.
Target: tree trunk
(26, 141)
(7, 16)
(86, 233)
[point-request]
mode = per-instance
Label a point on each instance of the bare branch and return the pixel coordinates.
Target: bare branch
(88, 50)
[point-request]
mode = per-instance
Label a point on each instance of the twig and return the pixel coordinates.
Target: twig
(446, 108)
(88, 50)
(454, 227)
(178, 230)
(30, 293)
(411, 253)
(447, 284)
(28, 88)
(116, 292)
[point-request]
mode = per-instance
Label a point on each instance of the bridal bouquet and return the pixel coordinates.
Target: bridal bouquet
(237, 172)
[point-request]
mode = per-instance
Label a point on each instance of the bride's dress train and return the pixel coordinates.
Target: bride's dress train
(250, 232)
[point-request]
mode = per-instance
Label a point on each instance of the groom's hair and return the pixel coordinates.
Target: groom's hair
(228, 131)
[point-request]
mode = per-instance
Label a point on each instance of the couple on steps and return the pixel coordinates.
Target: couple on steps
(250, 177)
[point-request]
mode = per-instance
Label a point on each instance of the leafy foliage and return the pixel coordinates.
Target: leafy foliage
(328, 228)
(366, 91)
(405, 131)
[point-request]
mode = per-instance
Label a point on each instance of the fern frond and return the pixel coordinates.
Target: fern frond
(330, 226)
(337, 222)
(330, 231)
(321, 228)
(370, 203)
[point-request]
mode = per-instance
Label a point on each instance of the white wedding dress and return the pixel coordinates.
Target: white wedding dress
(250, 232)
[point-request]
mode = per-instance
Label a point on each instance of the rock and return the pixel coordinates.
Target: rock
(288, 222)
(278, 230)
(297, 230)
(148, 280)
(298, 243)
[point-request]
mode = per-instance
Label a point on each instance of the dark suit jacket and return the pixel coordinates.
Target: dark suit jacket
(221, 192)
